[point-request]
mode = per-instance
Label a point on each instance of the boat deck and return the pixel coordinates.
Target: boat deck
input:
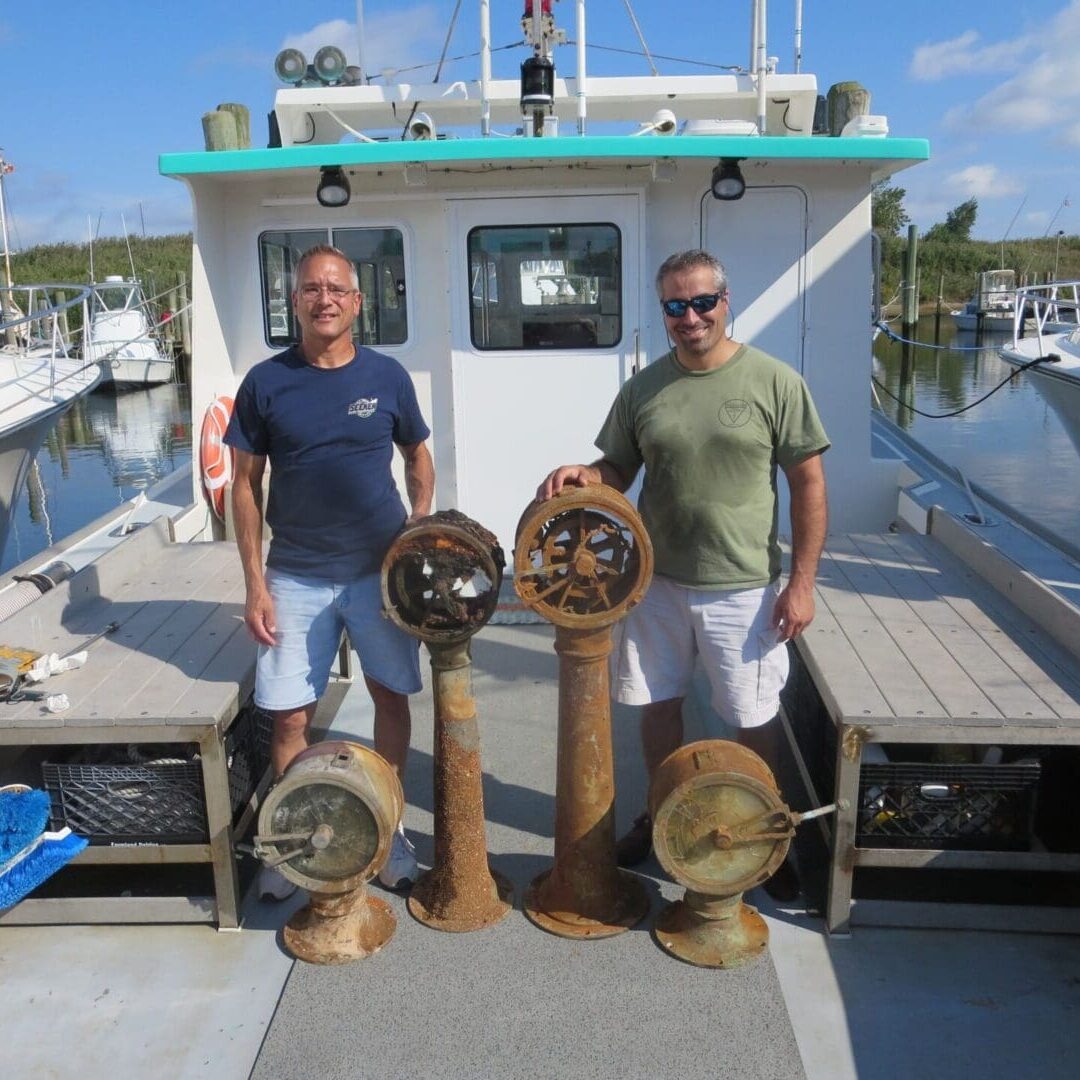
(188, 1002)
(512, 1000)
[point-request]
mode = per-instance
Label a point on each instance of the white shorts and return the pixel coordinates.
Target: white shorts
(657, 644)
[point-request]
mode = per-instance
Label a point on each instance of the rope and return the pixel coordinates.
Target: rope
(1051, 357)
(893, 336)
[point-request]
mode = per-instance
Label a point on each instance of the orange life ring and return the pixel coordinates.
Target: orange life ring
(215, 458)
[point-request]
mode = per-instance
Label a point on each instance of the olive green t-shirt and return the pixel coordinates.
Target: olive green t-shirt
(710, 442)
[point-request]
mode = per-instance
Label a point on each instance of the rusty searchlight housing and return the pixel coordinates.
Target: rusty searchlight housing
(327, 826)
(582, 560)
(440, 582)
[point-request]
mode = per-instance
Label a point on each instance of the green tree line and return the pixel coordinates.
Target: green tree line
(948, 257)
(159, 261)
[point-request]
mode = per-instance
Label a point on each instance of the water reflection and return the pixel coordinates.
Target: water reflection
(99, 454)
(1012, 443)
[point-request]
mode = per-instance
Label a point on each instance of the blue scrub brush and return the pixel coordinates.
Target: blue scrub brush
(29, 854)
(38, 861)
(24, 813)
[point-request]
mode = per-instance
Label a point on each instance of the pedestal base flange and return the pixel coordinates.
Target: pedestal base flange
(725, 942)
(459, 916)
(631, 905)
(339, 933)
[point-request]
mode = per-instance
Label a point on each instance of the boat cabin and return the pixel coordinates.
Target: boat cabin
(513, 276)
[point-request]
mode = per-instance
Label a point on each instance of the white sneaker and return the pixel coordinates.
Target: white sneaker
(274, 885)
(400, 869)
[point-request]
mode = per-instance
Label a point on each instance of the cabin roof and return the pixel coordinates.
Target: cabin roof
(886, 155)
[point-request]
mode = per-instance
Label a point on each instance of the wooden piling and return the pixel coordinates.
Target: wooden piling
(911, 269)
(219, 130)
(846, 100)
(242, 118)
(185, 317)
(937, 309)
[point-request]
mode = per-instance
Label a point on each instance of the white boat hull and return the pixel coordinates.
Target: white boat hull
(1057, 381)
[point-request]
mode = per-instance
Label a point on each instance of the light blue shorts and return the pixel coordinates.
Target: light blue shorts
(310, 614)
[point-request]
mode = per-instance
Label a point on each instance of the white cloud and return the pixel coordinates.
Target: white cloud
(981, 182)
(963, 55)
(392, 40)
(1046, 90)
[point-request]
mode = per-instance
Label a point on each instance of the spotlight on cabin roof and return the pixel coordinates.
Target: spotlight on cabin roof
(329, 64)
(290, 66)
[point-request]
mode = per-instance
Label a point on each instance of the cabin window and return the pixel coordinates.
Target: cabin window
(379, 258)
(545, 286)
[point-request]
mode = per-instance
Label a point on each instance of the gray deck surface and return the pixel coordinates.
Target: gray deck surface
(189, 1003)
(906, 636)
(513, 1000)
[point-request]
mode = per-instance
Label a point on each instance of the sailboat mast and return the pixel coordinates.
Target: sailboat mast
(5, 168)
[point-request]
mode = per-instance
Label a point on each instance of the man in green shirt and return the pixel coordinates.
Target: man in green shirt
(710, 422)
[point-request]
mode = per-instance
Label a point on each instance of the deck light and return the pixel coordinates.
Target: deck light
(333, 189)
(727, 180)
(290, 66)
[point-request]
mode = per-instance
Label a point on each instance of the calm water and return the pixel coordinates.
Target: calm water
(100, 453)
(108, 447)
(1012, 444)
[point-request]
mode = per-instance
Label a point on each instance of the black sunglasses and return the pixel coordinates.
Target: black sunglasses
(676, 309)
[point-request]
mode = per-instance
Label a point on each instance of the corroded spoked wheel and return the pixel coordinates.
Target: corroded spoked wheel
(441, 577)
(583, 558)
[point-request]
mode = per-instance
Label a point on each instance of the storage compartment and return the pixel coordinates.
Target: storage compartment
(155, 801)
(961, 807)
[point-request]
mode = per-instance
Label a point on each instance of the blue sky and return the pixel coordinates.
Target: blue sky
(995, 87)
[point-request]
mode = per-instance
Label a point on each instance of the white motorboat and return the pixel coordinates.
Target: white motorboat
(1049, 352)
(990, 310)
(40, 377)
(123, 334)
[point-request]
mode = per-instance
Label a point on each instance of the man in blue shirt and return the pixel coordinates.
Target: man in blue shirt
(327, 414)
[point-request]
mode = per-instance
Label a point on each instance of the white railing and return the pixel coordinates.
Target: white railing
(1044, 310)
(33, 325)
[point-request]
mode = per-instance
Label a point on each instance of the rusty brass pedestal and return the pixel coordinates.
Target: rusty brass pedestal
(585, 894)
(440, 583)
(333, 929)
(582, 561)
(711, 931)
(461, 892)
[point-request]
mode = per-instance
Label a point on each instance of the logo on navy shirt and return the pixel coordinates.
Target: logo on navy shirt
(363, 407)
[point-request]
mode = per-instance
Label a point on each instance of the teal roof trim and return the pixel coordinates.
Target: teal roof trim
(567, 148)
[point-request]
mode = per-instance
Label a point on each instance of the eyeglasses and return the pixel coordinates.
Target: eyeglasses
(335, 292)
(676, 309)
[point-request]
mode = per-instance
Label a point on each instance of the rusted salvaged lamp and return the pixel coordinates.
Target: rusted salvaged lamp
(720, 827)
(327, 826)
(583, 559)
(440, 582)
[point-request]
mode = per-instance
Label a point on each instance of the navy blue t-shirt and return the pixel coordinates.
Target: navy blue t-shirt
(329, 434)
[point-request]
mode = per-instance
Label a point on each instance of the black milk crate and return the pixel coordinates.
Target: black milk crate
(965, 807)
(154, 802)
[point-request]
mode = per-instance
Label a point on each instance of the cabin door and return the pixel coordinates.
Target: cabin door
(545, 295)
